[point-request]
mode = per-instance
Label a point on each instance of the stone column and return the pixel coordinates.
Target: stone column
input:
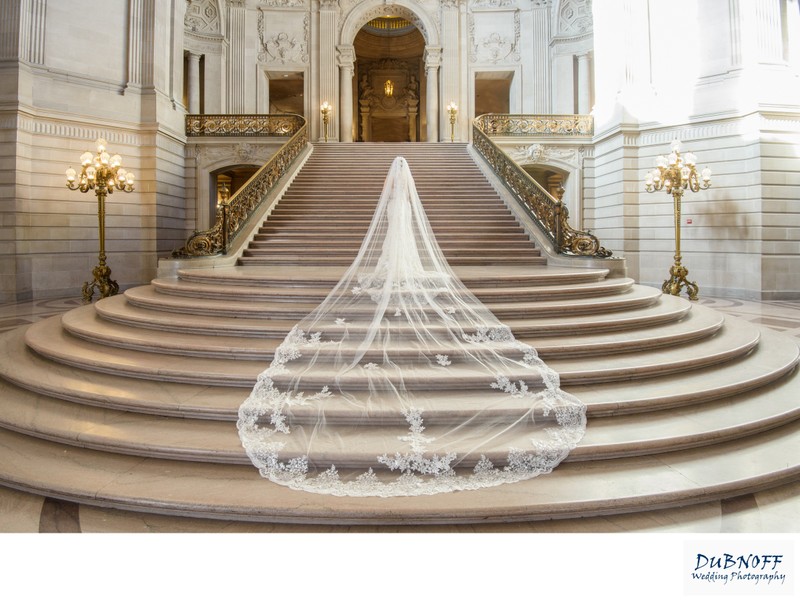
(328, 12)
(194, 83)
(433, 58)
(584, 83)
(346, 55)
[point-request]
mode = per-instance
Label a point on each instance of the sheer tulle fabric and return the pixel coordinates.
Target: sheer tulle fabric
(402, 382)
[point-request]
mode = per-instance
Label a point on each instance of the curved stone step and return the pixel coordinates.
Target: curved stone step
(474, 277)
(183, 439)
(50, 340)
(776, 357)
(86, 323)
(238, 492)
(183, 287)
(116, 309)
(148, 297)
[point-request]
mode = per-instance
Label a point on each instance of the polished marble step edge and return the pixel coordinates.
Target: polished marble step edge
(87, 324)
(223, 290)
(344, 261)
(117, 309)
(774, 358)
(471, 277)
(579, 489)
(148, 297)
(48, 338)
(183, 439)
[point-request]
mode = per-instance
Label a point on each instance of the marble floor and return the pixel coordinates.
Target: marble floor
(771, 511)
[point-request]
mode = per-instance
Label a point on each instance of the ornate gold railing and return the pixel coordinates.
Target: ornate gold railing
(532, 125)
(243, 125)
(232, 215)
(548, 212)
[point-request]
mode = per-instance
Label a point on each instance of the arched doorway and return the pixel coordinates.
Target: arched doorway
(363, 13)
(389, 83)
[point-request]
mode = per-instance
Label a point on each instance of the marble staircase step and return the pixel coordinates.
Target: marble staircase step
(149, 297)
(116, 309)
(87, 324)
(769, 361)
(238, 492)
(50, 340)
(223, 290)
(473, 277)
(184, 439)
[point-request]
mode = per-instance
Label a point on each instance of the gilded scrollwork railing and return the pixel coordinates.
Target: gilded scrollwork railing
(494, 124)
(232, 215)
(548, 212)
(243, 125)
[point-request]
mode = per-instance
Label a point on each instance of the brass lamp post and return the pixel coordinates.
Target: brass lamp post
(675, 174)
(452, 110)
(325, 109)
(102, 173)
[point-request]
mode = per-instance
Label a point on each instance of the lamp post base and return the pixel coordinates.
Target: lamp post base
(102, 282)
(678, 281)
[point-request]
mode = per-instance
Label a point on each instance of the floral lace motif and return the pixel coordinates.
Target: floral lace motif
(420, 473)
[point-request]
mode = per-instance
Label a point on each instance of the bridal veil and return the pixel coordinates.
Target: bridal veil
(402, 382)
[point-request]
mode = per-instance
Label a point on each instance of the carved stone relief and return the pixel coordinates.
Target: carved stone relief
(202, 16)
(487, 46)
(283, 47)
(539, 153)
(575, 17)
(283, 3)
(493, 3)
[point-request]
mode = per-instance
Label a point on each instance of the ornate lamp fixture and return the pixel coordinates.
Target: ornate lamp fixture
(674, 174)
(388, 88)
(325, 109)
(101, 173)
(452, 110)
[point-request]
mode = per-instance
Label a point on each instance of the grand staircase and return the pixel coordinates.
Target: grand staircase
(131, 402)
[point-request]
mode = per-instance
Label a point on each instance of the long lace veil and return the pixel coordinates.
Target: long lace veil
(402, 382)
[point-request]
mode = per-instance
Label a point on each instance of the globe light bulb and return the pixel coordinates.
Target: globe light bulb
(104, 158)
(91, 172)
(101, 144)
(71, 175)
(116, 160)
(690, 158)
(706, 174)
(86, 158)
(673, 158)
(129, 178)
(661, 161)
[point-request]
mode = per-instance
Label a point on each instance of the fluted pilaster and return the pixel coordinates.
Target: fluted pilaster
(32, 30)
(140, 42)
(328, 15)
(237, 69)
(540, 38)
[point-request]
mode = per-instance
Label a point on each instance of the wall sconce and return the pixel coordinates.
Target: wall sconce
(325, 109)
(103, 174)
(674, 174)
(388, 88)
